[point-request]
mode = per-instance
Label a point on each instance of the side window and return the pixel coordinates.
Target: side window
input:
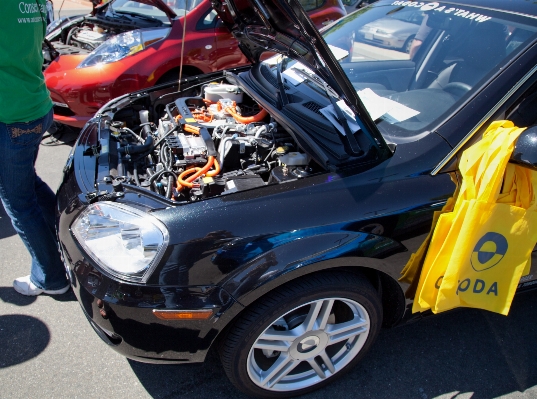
(310, 5)
(208, 21)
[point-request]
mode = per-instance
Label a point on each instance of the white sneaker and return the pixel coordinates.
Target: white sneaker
(24, 286)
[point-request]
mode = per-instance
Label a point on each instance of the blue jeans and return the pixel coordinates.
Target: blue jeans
(29, 202)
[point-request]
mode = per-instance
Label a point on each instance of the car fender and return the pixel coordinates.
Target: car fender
(249, 284)
(284, 263)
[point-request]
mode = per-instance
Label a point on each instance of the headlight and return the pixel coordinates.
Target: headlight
(124, 241)
(123, 45)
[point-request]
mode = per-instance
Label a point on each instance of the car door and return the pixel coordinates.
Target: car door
(518, 106)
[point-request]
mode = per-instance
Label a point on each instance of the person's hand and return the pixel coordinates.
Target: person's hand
(414, 47)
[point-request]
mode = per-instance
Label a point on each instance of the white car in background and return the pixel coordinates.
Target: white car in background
(397, 30)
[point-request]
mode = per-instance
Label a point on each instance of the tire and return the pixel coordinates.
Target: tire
(277, 349)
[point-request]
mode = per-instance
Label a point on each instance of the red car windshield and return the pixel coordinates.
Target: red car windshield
(147, 8)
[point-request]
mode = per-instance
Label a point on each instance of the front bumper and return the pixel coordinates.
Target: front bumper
(78, 93)
(122, 315)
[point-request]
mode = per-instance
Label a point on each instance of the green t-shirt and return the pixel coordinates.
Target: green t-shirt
(23, 94)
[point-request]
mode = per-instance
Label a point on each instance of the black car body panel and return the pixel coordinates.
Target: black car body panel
(228, 264)
(228, 248)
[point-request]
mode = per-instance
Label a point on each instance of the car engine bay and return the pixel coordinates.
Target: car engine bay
(204, 146)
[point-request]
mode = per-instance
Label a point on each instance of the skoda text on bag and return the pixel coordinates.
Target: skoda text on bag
(479, 286)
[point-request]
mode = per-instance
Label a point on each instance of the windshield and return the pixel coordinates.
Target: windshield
(413, 62)
(146, 8)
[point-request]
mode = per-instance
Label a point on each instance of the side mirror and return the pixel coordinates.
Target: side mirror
(525, 152)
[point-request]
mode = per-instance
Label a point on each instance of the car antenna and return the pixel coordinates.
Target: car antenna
(182, 50)
(60, 10)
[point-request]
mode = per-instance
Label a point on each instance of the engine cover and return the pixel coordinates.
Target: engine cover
(90, 39)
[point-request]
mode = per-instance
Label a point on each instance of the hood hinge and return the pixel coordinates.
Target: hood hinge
(104, 195)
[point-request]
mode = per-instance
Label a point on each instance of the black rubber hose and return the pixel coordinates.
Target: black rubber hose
(136, 178)
(138, 149)
(160, 173)
(169, 189)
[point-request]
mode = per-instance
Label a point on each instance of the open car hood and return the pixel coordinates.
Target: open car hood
(284, 27)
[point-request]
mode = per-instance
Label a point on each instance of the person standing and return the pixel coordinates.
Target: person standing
(25, 115)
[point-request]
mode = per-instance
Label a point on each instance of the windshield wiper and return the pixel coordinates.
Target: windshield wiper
(282, 95)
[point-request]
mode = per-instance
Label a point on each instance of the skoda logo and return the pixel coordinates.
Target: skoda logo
(488, 251)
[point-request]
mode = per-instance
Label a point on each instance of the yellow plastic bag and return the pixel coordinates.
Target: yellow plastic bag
(478, 252)
(412, 270)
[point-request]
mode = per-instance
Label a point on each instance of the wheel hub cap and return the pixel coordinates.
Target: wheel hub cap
(309, 345)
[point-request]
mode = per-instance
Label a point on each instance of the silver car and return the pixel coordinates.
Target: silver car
(396, 30)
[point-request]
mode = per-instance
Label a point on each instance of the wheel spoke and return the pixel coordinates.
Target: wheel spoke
(327, 361)
(311, 318)
(347, 330)
(318, 315)
(273, 335)
(282, 367)
(280, 346)
(324, 314)
(318, 369)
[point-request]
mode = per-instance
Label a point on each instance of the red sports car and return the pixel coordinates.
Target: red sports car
(128, 45)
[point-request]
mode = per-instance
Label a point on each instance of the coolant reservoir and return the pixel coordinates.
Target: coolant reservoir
(294, 159)
(216, 92)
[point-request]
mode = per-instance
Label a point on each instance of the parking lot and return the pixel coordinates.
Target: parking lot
(49, 350)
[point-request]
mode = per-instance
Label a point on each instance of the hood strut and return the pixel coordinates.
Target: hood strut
(182, 51)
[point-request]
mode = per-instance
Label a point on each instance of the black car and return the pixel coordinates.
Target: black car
(267, 212)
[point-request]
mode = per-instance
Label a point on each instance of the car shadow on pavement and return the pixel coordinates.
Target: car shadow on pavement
(23, 337)
(462, 351)
(206, 380)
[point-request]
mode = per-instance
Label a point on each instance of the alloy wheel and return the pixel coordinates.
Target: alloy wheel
(308, 344)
